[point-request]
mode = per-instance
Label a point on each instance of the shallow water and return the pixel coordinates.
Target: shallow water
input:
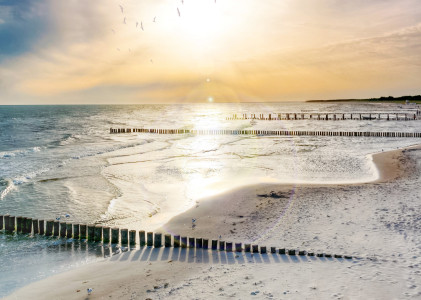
(62, 159)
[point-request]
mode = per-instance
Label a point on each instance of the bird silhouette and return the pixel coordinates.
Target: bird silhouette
(124, 21)
(154, 19)
(137, 23)
(141, 26)
(178, 12)
(122, 9)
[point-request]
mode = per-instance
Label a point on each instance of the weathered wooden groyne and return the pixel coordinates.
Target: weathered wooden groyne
(269, 132)
(333, 116)
(106, 235)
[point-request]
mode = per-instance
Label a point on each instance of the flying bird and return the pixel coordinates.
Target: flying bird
(141, 26)
(154, 19)
(124, 21)
(178, 12)
(137, 23)
(122, 9)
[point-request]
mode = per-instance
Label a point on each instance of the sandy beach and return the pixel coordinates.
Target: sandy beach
(377, 222)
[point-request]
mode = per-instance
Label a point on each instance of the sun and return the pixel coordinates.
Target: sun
(201, 22)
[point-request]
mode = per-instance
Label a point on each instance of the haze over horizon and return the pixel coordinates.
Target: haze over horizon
(115, 52)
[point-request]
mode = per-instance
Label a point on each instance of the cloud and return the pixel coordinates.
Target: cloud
(81, 51)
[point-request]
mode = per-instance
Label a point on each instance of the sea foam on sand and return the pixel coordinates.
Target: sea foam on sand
(377, 222)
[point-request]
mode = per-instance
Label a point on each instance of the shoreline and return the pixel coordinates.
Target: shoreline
(246, 214)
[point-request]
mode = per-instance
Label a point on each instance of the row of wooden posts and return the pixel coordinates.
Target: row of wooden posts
(104, 234)
(328, 116)
(268, 132)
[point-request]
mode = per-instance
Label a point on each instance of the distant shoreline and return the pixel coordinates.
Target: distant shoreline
(412, 99)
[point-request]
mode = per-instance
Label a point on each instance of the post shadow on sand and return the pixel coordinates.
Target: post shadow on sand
(204, 256)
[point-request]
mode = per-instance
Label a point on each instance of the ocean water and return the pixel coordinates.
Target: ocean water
(57, 160)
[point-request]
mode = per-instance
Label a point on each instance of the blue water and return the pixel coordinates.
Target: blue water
(61, 159)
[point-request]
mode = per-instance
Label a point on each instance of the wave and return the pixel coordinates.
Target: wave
(19, 152)
(69, 139)
(9, 187)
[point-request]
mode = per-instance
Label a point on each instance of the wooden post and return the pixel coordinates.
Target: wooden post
(214, 244)
(168, 240)
(273, 250)
(291, 252)
(238, 247)
(150, 239)
(158, 240)
(199, 243)
(91, 233)
(302, 253)
(56, 231)
(282, 251)
(98, 233)
(69, 230)
(115, 235)
(49, 228)
(76, 231)
(41, 227)
(56, 228)
(83, 229)
(6, 222)
(229, 247)
(12, 223)
(124, 236)
(263, 250)
(63, 229)
(183, 242)
(35, 226)
(221, 245)
(132, 237)
(1, 222)
(247, 247)
(142, 239)
(191, 242)
(205, 243)
(106, 234)
(18, 224)
(255, 248)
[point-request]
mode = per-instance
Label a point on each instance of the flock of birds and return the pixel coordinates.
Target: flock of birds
(141, 23)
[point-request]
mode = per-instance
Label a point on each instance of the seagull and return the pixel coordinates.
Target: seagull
(178, 12)
(141, 26)
(122, 9)
(58, 218)
(89, 290)
(193, 220)
(67, 215)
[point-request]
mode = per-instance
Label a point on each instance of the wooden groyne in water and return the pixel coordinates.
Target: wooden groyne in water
(107, 235)
(332, 116)
(269, 132)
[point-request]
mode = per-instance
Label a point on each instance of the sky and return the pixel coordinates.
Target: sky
(174, 51)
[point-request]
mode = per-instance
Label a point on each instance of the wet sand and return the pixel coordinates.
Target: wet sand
(375, 221)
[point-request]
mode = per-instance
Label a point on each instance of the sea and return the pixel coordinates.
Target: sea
(62, 160)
